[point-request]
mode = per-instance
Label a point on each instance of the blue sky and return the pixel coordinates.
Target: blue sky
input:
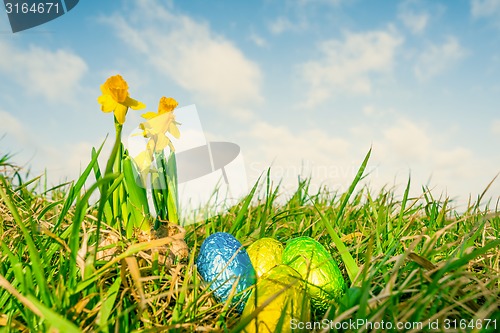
(309, 84)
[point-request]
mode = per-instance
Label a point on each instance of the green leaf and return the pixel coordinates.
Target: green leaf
(137, 196)
(171, 180)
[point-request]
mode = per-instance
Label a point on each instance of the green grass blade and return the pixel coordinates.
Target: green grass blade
(108, 304)
(453, 264)
(96, 168)
(172, 189)
(350, 263)
(75, 190)
(38, 267)
(80, 211)
(237, 224)
(54, 319)
(403, 207)
(354, 183)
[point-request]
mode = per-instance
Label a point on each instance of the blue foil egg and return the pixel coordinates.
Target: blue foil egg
(222, 261)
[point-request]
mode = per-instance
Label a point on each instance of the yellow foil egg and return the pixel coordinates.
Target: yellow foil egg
(281, 292)
(264, 254)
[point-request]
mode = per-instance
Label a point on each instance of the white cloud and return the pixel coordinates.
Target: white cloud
(63, 160)
(53, 75)
(10, 126)
(307, 152)
(413, 21)
(495, 127)
(401, 146)
(347, 65)
(282, 24)
(485, 8)
(310, 143)
(439, 58)
(368, 110)
(375, 112)
(192, 55)
(325, 2)
(258, 40)
(299, 15)
(408, 140)
(413, 16)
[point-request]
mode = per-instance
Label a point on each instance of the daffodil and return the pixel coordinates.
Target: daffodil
(156, 127)
(143, 162)
(166, 105)
(115, 97)
(161, 122)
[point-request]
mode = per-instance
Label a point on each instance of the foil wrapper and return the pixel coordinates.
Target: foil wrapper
(223, 262)
(265, 253)
(282, 288)
(316, 266)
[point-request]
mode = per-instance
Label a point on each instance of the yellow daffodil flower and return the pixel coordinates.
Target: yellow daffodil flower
(161, 122)
(115, 97)
(166, 105)
(156, 128)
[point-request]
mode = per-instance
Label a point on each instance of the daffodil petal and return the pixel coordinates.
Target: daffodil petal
(149, 115)
(146, 129)
(143, 161)
(150, 146)
(120, 112)
(157, 125)
(104, 90)
(133, 104)
(174, 130)
(108, 104)
(167, 104)
(162, 142)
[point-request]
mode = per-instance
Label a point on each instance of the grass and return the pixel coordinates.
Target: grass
(406, 260)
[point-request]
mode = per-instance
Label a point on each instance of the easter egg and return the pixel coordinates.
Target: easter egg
(315, 264)
(265, 253)
(282, 288)
(222, 262)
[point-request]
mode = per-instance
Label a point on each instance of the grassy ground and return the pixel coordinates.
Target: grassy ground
(416, 261)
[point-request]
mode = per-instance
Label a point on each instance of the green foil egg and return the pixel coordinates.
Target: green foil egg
(316, 266)
(264, 254)
(283, 289)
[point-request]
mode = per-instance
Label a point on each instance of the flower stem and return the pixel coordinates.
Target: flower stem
(105, 187)
(116, 147)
